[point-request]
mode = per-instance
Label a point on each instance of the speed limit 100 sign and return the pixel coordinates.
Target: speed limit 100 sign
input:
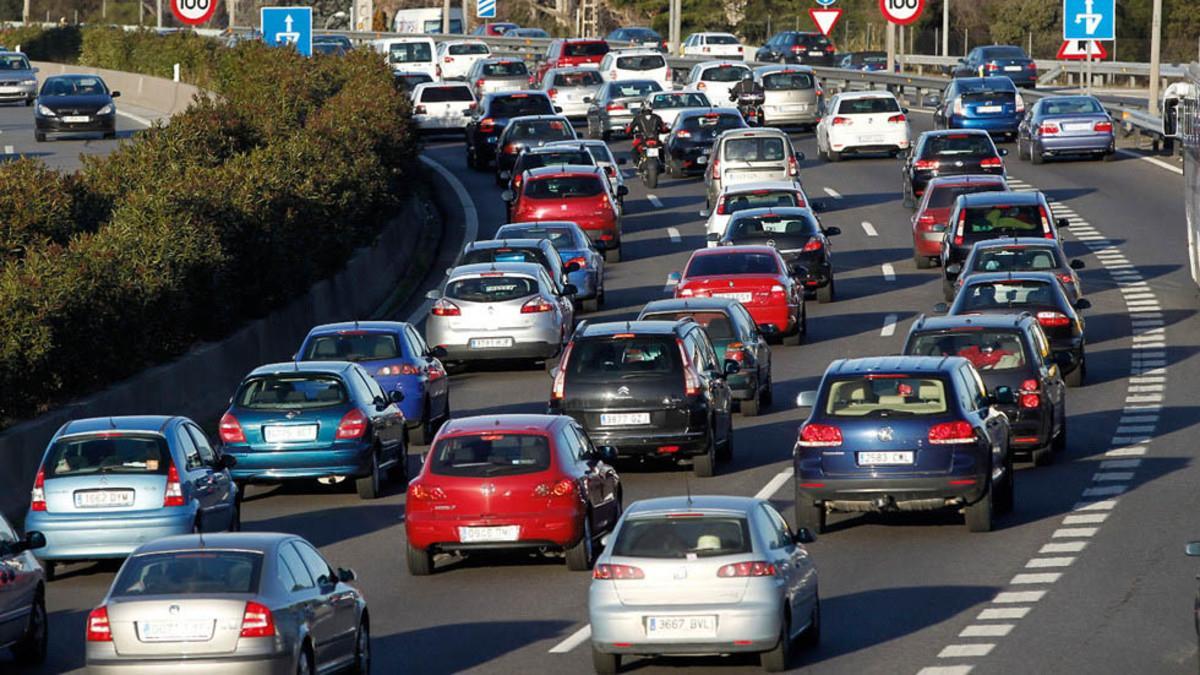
(899, 12)
(193, 12)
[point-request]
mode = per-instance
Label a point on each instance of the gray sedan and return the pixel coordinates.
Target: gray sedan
(239, 603)
(1058, 126)
(615, 105)
(18, 79)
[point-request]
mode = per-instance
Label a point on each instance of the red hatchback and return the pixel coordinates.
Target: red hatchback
(511, 482)
(566, 52)
(578, 193)
(933, 213)
(757, 277)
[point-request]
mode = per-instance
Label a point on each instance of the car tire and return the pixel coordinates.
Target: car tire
(612, 255)
(1035, 154)
(1075, 377)
(50, 569)
(1006, 493)
(606, 135)
(749, 407)
(39, 137)
(362, 650)
(811, 636)
(304, 665)
(808, 513)
(605, 664)
(923, 262)
(368, 486)
(397, 473)
(109, 135)
(30, 650)
(235, 523)
(909, 201)
(834, 156)
(28, 102)
(768, 394)
(704, 466)
(947, 290)
(725, 450)
(674, 169)
(590, 305)
(1021, 153)
(978, 516)
(579, 557)
(1060, 439)
(420, 561)
(423, 432)
(776, 659)
(825, 293)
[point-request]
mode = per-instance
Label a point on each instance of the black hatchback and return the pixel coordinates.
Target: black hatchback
(791, 46)
(649, 389)
(796, 234)
(74, 104)
(691, 137)
(954, 152)
(491, 117)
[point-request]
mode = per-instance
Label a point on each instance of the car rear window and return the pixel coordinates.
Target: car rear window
(996, 96)
(291, 392)
(987, 349)
(643, 34)
(485, 255)
(868, 106)
(409, 52)
(719, 39)
(886, 395)
(564, 187)
(579, 78)
(490, 454)
(108, 453)
(516, 105)
(491, 288)
(1072, 106)
(469, 48)
(760, 199)
(1004, 53)
(1006, 294)
(724, 73)
(958, 145)
(1016, 259)
(641, 62)
(766, 149)
(787, 81)
(539, 159)
(446, 94)
(943, 196)
(732, 263)
(352, 346)
(624, 356)
(585, 49)
(770, 228)
(717, 122)
(812, 40)
(633, 88)
(189, 573)
(683, 537)
(504, 69)
(1019, 218)
(717, 324)
(679, 100)
(540, 129)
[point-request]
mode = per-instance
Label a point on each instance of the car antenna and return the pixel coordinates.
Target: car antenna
(687, 485)
(356, 324)
(112, 424)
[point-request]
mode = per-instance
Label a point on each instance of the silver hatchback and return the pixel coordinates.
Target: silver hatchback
(750, 156)
(494, 75)
(792, 95)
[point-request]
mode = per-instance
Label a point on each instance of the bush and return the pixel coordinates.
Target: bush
(59, 44)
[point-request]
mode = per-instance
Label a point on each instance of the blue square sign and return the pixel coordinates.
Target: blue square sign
(485, 9)
(288, 26)
(1089, 19)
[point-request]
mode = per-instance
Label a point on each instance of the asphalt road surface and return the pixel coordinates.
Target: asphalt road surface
(58, 151)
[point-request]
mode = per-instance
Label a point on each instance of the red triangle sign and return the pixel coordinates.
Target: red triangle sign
(825, 19)
(1077, 50)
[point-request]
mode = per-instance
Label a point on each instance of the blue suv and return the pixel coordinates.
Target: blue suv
(903, 433)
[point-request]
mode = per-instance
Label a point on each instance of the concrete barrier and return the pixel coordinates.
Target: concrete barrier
(159, 94)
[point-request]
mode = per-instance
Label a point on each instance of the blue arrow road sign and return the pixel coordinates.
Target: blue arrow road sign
(288, 26)
(1089, 20)
(485, 9)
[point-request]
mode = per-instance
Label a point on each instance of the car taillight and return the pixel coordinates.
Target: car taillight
(403, 369)
(962, 221)
(98, 629)
(959, 107)
(608, 572)
(560, 378)
(536, 306)
(552, 93)
(1105, 127)
(563, 488)
(669, 74)
(721, 206)
(814, 435)
(735, 351)
(419, 110)
(951, 433)
(778, 289)
(716, 167)
(230, 430)
(1048, 129)
(842, 120)
(173, 495)
(991, 67)
(813, 244)
(444, 307)
(438, 70)
(581, 261)
(37, 496)
(925, 164)
(479, 83)
(615, 106)
(829, 48)
(683, 133)
(257, 621)
(926, 219)
(448, 59)
(352, 426)
(991, 163)
(1030, 397)
(487, 125)
(684, 292)
(757, 568)
(1053, 319)
(1020, 104)
(793, 169)
(511, 148)
(701, 86)
(691, 383)
(420, 493)
(796, 49)
(897, 119)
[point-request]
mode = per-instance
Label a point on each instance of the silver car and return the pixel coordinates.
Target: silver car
(492, 75)
(500, 311)
(750, 156)
(568, 88)
(23, 627)
(703, 575)
(239, 604)
(616, 104)
(756, 195)
(18, 79)
(792, 95)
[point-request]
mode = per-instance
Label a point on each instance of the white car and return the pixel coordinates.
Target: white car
(439, 106)
(863, 121)
(637, 64)
(713, 44)
(756, 195)
(456, 57)
(716, 79)
(408, 54)
(668, 104)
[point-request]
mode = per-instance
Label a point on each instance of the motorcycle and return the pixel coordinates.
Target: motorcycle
(650, 162)
(750, 106)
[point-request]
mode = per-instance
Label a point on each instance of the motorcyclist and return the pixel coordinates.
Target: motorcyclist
(646, 124)
(747, 87)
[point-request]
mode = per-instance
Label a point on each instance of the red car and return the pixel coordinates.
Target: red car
(564, 52)
(933, 213)
(571, 192)
(755, 276)
(512, 482)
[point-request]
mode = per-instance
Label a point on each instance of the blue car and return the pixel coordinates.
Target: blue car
(576, 251)
(327, 420)
(108, 485)
(395, 354)
(904, 433)
(1060, 126)
(989, 103)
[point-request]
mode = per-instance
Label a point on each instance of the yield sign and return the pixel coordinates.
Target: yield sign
(825, 19)
(1079, 50)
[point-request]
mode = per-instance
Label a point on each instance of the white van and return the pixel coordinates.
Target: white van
(426, 20)
(409, 54)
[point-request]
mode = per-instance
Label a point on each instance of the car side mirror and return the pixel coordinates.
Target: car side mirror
(380, 402)
(674, 278)
(395, 396)
(226, 462)
(439, 352)
(604, 540)
(505, 175)
(433, 294)
(1193, 548)
(587, 99)
(571, 267)
(570, 289)
(507, 196)
(804, 535)
(1061, 359)
(622, 190)
(622, 161)
(346, 575)
(115, 94)
(1077, 264)
(704, 213)
(800, 156)
(713, 237)
(702, 160)
(1003, 152)
(954, 269)
(558, 108)
(1003, 396)
(1062, 222)
(33, 541)
(467, 111)
(606, 454)
(732, 367)
(1083, 303)
(832, 231)
(806, 399)
(941, 308)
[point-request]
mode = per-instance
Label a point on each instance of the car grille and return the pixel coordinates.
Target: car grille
(9, 83)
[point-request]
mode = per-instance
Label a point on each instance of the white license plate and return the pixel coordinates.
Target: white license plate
(740, 297)
(1078, 126)
(795, 107)
(490, 343)
(175, 631)
(885, 458)
(989, 108)
(652, 152)
(290, 433)
(870, 139)
(478, 535)
(76, 119)
(1013, 69)
(623, 419)
(816, 53)
(96, 499)
(681, 626)
(933, 236)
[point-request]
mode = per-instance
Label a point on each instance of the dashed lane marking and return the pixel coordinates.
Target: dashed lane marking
(574, 640)
(655, 201)
(889, 325)
(673, 233)
(774, 484)
(833, 193)
(889, 272)
(869, 229)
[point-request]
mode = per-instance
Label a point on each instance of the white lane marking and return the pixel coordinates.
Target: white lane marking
(889, 272)
(141, 120)
(889, 325)
(945, 670)
(1156, 162)
(1085, 519)
(655, 201)
(1108, 476)
(961, 651)
(833, 193)
(1065, 532)
(774, 484)
(993, 613)
(1102, 505)
(8, 150)
(1063, 547)
(1107, 491)
(1144, 429)
(470, 222)
(1039, 578)
(987, 630)
(574, 640)
(1015, 597)
(1042, 563)
(1131, 451)
(869, 229)
(673, 233)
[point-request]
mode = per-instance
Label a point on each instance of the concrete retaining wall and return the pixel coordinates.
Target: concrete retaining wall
(161, 95)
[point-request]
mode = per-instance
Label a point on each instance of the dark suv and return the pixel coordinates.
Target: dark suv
(649, 388)
(949, 153)
(903, 433)
(1008, 350)
(811, 49)
(492, 115)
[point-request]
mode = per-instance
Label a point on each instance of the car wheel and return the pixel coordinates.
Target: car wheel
(808, 513)
(235, 523)
(591, 304)
(579, 556)
(674, 170)
(605, 135)
(28, 102)
(305, 665)
(50, 569)
(725, 450)
(795, 338)
(923, 262)
(776, 660)
(397, 473)
(834, 156)
(979, 514)
(1043, 456)
(908, 201)
(420, 561)
(749, 407)
(1075, 377)
(423, 432)
(1006, 494)
(947, 290)
(1035, 154)
(368, 485)
(109, 135)
(1060, 439)
(612, 255)
(811, 636)
(605, 664)
(1021, 150)
(30, 650)
(362, 650)
(704, 466)
(825, 293)
(768, 394)
(39, 137)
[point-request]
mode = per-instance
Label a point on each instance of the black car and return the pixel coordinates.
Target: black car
(1024, 254)
(640, 36)
(790, 46)
(649, 389)
(1040, 294)
(734, 336)
(796, 234)
(528, 131)
(992, 215)
(406, 81)
(1007, 60)
(492, 115)
(953, 152)
(535, 157)
(1008, 350)
(75, 103)
(691, 137)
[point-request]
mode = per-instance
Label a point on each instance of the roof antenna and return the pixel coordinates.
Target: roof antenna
(112, 424)
(687, 484)
(356, 324)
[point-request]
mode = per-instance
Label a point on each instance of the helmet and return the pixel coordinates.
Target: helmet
(747, 75)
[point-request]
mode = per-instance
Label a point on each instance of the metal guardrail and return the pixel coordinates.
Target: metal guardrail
(1111, 68)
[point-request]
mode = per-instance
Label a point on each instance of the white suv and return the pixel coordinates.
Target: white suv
(637, 64)
(455, 58)
(863, 121)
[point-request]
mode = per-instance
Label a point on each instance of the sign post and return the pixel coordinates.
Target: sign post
(898, 13)
(287, 26)
(193, 12)
(1089, 20)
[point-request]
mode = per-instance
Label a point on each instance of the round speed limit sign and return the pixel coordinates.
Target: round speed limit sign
(193, 12)
(899, 12)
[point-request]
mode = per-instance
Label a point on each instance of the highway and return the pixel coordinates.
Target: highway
(1087, 575)
(58, 152)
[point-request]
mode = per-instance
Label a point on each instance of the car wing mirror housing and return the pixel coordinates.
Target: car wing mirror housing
(804, 535)
(1003, 396)
(1077, 264)
(806, 399)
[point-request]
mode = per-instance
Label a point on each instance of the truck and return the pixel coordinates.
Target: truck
(426, 20)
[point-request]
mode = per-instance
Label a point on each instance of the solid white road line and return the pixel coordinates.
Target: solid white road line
(1156, 162)
(889, 325)
(869, 229)
(774, 484)
(655, 201)
(673, 233)
(833, 193)
(139, 119)
(577, 638)
(889, 272)
(470, 221)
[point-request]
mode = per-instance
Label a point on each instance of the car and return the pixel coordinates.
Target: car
(863, 122)
(328, 48)
(584, 262)
(395, 354)
(408, 54)
(903, 433)
(615, 105)
(756, 276)
(716, 79)
(703, 575)
(734, 336)
(1040, 294)
(649, 389)
(637, 64)
(724, 45)
(798, 236)
(640, 36)
(528, 131)
(602, 157)
(999, 60)
(870, 62)
(950, 153)
(579, 193)
(442, 107)
(512, 482)
(534, 157)
(334, 41)
(691, 137)
(933, 211)
(492, 311)
(668, 104)
(241, 602)
(1065, 126)
(1024, 254)
(328, 420)
(407, 81)
(521, 250)
(106, 485)
(991, 215)
(792, 95)
(570, 88)
(564, 52)
(989, 103)
(455, 57)
(1008, 350)
(19, 78)
(749, 155)
(491, 117)
(74, 104)
(790, 46)
(751, 195)
(494, 29)
(494, 75)
(536, 33)
(24, 628)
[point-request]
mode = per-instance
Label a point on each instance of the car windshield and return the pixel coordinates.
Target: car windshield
(578, 78)
(678, 100)
(716, 323)
(497, 288)
(764, 149)
(1019, 218)
(13, 62)
(504, 69)
(113, 452)
(720, 39)
(585, 49)
(329, 48)
(409, 52)
(564, 187)
(352, 346)
(552, 129)
(760, 199)
(632, 88)
(516, 105)
(624, 356)
(683, 537)
(533, 160)
(1016, 259)
(956, 145)
(486, 255)
(787, 80)
(868, 106)
(490, 454)
(715, 122)
(447, 94)
(189, 572)
(987, 349)
(773, 227)
(641, 62)
(1072, 106)
(886, 395)
(725, 73)
(290, 392)
(1004, 53)
(529, 33)
(1006, 294)
(732, 263)
(943, 196)
(469, 48)
(73, 86)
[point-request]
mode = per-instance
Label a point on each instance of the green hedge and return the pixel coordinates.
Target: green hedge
(239, 204)
(61, 44)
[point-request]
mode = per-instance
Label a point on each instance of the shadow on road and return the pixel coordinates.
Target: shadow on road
(453, 648)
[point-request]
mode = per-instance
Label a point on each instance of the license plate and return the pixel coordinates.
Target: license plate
(175, 631)
(796, 107)
(885, 458)
(1078, 126)
(490, 343)
(933, 236)
(816, 53)
(870, 139)
(623, 419)
(1012, 69)
(989, 108)
(291, 433)
(477, 535)
(740, 297)
(652, 152)
(76, 119)
(95, 499)
(681, 626)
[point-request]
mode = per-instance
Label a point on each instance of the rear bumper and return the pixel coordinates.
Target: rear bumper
(1003, 124)
(782, 318)
(927, 243)
(853, 142)
(786, 114)
(74, 537)
(1069, 145)
(277, 465)
(558, 528)
(903, 494)
(519, 350)
(432, 123)
(103, 659)
(604, 234)
(744, 385)
(754, 623)
(631, 443)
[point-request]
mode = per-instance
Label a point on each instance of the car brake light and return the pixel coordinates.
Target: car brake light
(991, 163)
(951, 433)
(552, 93)
(37, 497)
(403, 369)
(813, 244)
(511, 148)
(793, 169)
(735, 351)
(230, 430)
(1048, 129)
(1053, 319)
(757, 568)
(563, 488)
(691, 383)
(444, 307)
(1065, 278)
(581, 261)
(420, 493)
(796, 49)
(419, 110)
(1105, 127)
(683, 133)
(98, 629)
(992, 66)
(684, 292)
(173, 495)
(716, 168)
(487, 125)
(669, 74)
(701, 86)
(257, 621)
(925, 164)
(352, 426)
(842, 120)
(897, 119)
(721, 206)
(926, 219)
(536, 306)
(448, 59)
(560, 378)
(962, 221)
(609, 572)
(1030, 393)
(959, 107)
(1020, 103)
(814, 435)
(615, 106)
